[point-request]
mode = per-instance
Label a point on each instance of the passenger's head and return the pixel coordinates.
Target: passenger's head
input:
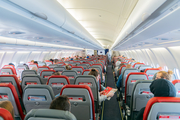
(35, 62)
(118, 63)
(56, 73)
(68, 67)
(164, 75)
(8, 106)
(55, 61)
(11, 64)
(93, 72)
(61, 103)
(162, 88)
(51, 60)
(128, 66)
(121, 64)
(32, 61)
(34, 68)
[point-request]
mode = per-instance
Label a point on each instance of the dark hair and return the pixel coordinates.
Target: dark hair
(93, 72)
(68, 67)
(35, 62)
(56, 73)
(60, 103)
(11, 64)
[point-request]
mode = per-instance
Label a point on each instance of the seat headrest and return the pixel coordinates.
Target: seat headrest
(162, 88)
(50, 113)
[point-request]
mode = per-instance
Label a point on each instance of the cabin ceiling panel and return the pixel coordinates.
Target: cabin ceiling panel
(97, 15)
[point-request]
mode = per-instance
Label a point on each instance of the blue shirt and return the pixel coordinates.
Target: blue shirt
(119, 81)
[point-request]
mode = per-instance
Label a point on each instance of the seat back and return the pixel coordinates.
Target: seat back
(14, 81)
(48, 62)
(121, 69)
(57, 82)
(136, 65)
(41, 64)
(40, 68)
(37, 96)
(21, 68)
(5, 114)
(51, 66)
(71, 74)
(49, 114)
(45, 74)
(151, 71)
(140, 96)
(32, 65)
(142, 67)
(30, 80)
(125, 73)
(176, 83)
(162, 108)
(90, 81)
(82, 101)
(10, 67)
(60, 69)
(86, 72)
(7, 71)
(28, 72)
(98, 65)
(99, 70)
(8, 92)
(61, 63)
(85, 66)
(79, 69)
(130, 80)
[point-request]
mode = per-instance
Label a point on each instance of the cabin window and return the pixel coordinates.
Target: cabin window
(165, 68)
(176, 72)
(157, 65)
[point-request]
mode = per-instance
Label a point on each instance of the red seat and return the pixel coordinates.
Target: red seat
(5, 114)
(10, 67)
(121, 69)
(16, 80)
(132, 73)
(15, 96)
(138, 64)
(175, 81)
(155, 100)
(85, 71)
(100, 65)
(83, 87)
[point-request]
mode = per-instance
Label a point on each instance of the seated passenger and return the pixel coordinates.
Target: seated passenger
(35, 62)
(56, 73)
(61, 103)
(101, 96)
(160, 88)
(32, 61)
(11, 64)
(8, 106)
(34, 68)
(120, 77)
(116, 68)
(68, 67)
(56, 61)
(164, 75)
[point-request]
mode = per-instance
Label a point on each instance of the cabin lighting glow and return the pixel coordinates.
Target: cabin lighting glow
(23, 52)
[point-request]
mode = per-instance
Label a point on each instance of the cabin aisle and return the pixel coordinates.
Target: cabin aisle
(111, 107)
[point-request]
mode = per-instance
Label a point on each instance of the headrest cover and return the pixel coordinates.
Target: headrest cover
(118, 63)
(162, 88)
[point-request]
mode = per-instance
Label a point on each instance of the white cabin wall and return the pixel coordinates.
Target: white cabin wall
(156, 57)
(21, 57)
(43, 56)
(7, 58)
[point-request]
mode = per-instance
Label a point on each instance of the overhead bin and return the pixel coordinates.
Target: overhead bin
(56, 14)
